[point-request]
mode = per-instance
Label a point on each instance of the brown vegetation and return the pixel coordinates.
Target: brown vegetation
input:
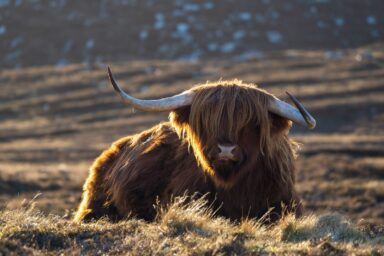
(182, 229)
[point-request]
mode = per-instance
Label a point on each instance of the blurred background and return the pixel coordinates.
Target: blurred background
(61, 32)
(58, 112)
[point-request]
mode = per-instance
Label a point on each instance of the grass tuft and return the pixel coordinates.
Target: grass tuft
(185, 227)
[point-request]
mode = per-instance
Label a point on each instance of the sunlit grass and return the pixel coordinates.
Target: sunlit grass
(185, 227)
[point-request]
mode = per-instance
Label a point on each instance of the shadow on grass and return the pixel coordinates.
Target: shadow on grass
(14, 187)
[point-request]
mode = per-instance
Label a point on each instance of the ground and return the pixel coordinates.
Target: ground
(182, 229)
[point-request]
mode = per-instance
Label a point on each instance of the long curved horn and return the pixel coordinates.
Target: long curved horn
(160, 105)
(300, 115)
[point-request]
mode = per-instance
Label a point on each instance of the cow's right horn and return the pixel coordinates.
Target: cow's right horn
(161, 105)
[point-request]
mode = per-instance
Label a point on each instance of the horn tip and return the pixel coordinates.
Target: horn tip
(311, 122)
(113, 82)
(312, 125)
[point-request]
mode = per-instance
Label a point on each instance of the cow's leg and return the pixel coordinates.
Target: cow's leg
(94, 204)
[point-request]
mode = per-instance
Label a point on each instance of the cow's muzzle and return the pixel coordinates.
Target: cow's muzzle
(226, 152)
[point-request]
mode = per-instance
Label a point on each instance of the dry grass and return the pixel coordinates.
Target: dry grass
(185, 229)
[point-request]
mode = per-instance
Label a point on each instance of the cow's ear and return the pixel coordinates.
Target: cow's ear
(279, 124)
(180, 116)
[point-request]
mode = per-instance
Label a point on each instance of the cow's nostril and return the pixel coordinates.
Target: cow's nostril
(226, 152)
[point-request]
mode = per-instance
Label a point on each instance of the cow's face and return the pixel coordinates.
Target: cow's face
(228, 157)
(228, 128)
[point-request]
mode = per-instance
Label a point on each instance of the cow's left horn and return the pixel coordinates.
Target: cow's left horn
(160, 105)
(300, 115)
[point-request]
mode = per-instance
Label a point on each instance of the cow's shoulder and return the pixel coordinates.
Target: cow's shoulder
(158, 137)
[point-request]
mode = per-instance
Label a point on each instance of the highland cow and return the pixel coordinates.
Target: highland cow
(227, 140)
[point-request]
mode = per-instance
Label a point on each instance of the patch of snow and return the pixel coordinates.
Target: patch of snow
(375, 33)
(90, 44)
(190, 7)
(99, 62)
(213, 47)
(143, 34)
(250, 55)
(274, 37)
(333, 55)
(182, 32)
(186, 38)
(320, 24)
(371, 20)
(159, 21)
(182, 28)
(4, 3)
(192, 57)
(12, 56)
(228, 47)
(46, 107)
(62, 63)
(240, 34)
(208, 5)
(3, 30)
(16, 41)
(339, 21)
(274, 14)
(245, 16)
(67, 46)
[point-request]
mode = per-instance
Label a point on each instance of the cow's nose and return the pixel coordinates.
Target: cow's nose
(227, 152)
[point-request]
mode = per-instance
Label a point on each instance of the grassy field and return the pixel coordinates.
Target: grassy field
(185, 230)
(55, 121)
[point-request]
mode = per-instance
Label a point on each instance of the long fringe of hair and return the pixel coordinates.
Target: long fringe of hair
(222, 110)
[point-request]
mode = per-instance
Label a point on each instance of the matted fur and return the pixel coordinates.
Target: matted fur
(170, 159)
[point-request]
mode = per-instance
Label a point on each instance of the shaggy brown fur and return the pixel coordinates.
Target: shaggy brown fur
(172, 158)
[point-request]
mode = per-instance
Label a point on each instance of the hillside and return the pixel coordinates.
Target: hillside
(55, 121)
